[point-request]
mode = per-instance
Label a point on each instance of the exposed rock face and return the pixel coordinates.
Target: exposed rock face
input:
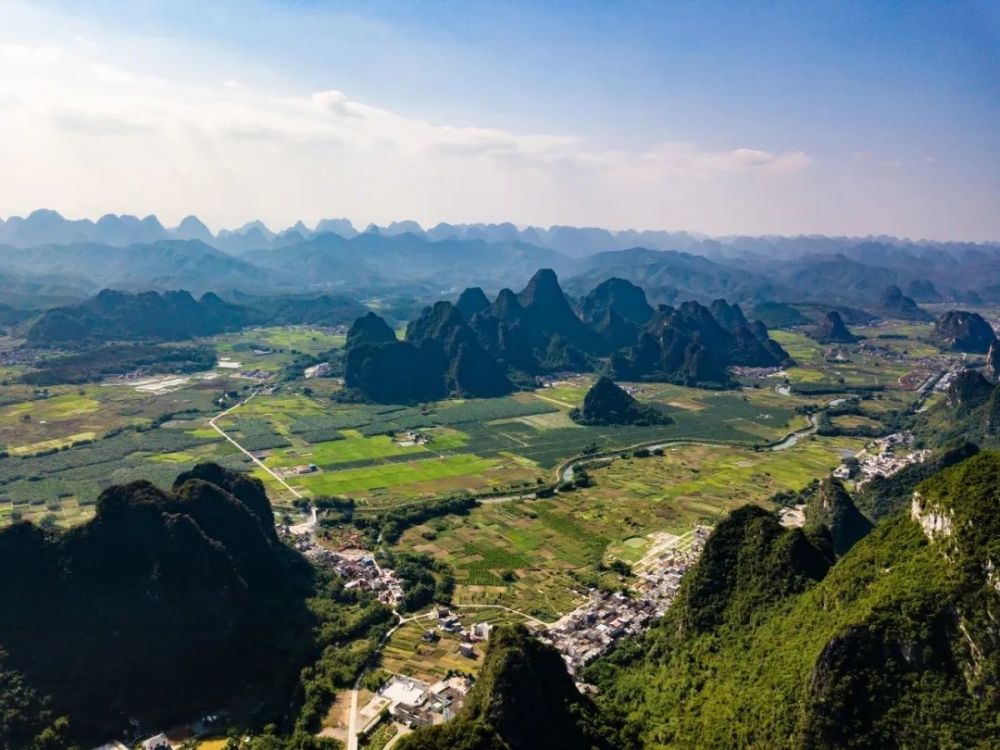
(894, 645)
(992, 370)
(969, 390)
(935, 522)
(963, 331)
(833, 330)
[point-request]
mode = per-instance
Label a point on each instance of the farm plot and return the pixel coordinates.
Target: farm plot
(538, 557)
(407, 480)
(37, 421)
(351, 447)
(408, 653)
(61, 487)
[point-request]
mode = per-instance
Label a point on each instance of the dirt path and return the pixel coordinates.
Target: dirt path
(557, 402)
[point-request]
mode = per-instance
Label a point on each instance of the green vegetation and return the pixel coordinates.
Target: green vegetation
(177, 316)
(771, 645)
(832, 507)
(115, 359)
(693, 345)
(196, 572)
(607, 404)
(78, 475)
(557, 547)
(522, 699)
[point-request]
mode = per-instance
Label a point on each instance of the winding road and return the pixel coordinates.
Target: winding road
(565, 472)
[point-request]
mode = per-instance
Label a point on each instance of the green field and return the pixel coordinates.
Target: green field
(284, 343)
(407, 653)
(881, 361)
(554, 547)
(431, 476)
(475, 446)
(493, 445)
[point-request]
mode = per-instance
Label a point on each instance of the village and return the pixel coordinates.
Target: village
(881, 458)
(358, 569)
(595, 627)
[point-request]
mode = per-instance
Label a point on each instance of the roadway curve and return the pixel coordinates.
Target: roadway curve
(564, 473)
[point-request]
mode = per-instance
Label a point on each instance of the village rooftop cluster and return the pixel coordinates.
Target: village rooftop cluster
(883, 458)
(593, 629)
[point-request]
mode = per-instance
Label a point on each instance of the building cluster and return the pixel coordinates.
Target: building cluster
(21, 356)
(358, 572)
(592, 629)
(294, 471)
(415, 703)
(258, 375)
(555, 379)
(412, 437)
(883, 458)
(172, 739)
(756, 372)
(448, 622)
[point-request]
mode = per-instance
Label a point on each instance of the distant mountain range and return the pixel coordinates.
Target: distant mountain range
(177, 316)
(44, 226)
(46, 259)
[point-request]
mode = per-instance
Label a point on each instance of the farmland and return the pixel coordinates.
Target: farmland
(485, 445)
(66, 442)
(552, 549)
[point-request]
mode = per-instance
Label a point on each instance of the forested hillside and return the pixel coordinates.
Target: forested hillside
(771, 644)
(165, 606)
(523, 699)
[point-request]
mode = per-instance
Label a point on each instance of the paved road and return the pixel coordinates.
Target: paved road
(565, 472)
(247, 453)
(352, 724)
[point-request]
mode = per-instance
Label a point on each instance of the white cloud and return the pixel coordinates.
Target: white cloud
(92, 136)
(687, 159)
(22, 53)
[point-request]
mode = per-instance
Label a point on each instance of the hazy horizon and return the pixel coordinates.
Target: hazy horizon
(361, 228)
(716, 119)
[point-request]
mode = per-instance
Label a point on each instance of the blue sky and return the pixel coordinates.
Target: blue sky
(838, 118)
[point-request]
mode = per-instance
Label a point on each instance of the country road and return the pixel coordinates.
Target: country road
(564, 472)
(248, 454)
